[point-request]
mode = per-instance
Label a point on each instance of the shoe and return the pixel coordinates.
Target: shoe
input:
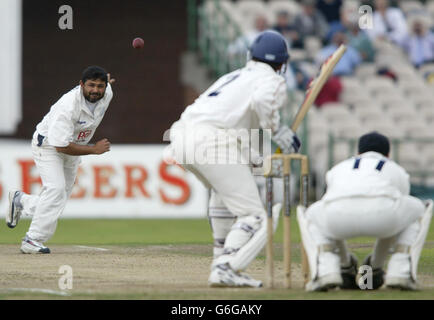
(401, 283)
(223, 276)
(32, 246)
(15, 208)
(349, 274)
(325, 283)
(377, 274)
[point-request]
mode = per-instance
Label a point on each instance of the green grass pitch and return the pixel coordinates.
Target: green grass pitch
(176, 232)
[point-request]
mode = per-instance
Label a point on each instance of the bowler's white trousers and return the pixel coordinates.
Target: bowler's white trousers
(58, 172)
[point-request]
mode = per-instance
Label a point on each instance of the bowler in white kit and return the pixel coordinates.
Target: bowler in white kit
(367, 195)
(60, 139)
(245, 99)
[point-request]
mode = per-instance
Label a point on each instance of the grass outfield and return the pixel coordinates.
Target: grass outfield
(190, 239)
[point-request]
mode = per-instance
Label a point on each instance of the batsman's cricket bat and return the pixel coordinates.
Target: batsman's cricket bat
(316, 85)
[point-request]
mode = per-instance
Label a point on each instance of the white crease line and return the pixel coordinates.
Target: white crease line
(92, 248)
(58, 293)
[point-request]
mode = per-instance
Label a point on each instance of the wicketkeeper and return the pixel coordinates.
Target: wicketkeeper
(367, 195)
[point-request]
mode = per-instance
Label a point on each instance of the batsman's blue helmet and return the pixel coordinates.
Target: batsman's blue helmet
(270, 46)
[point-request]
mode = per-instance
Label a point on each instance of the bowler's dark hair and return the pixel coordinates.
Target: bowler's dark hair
(94, 73)
(374, 141)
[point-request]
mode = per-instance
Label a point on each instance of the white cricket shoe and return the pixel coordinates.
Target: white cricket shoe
(15, 208)
(32, 246)
(401, 283)
(329, 281)
(223, 276)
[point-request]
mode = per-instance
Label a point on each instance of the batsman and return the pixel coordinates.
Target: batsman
(245, 99)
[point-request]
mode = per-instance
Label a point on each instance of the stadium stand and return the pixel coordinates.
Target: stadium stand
(389, 95)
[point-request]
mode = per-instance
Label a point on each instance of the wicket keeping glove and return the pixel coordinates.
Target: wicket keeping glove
(287, 140)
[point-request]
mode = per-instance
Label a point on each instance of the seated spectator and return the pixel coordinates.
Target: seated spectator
(287, 29)
(349, 61)
(346, 66)
(241, 45)
(359, 40)
(311, 22)
(330, 92)
(388, 23)
(419, 44)
(346, 12)
(330, 9)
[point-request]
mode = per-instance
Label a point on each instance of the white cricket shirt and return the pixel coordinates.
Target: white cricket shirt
(248, 98)
(367, 175)
(70, 119)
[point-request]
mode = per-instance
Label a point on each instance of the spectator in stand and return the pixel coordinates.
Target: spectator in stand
(346, 66)
(349, 61)
(241, 45)
(419, 44)
(311, 22)
(287, 29)
(389, 23)
(330, 9)
(359, 40)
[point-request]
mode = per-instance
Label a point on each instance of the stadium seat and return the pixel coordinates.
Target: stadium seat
(368, 112)
(336, 112)
(386, 127)
(390, 99)
(413, 88)
(349, 129)
(421, 132)
(365, 70)
(376, 84)
(399, 107)
(351, 85)
(370, 107)
(407, 124)
(356, 97)
(426, 108)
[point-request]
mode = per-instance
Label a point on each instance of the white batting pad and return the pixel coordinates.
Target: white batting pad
(309, 244)
(240, 259)
(416, 248)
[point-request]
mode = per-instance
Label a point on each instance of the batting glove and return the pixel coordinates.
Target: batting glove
(287, 140)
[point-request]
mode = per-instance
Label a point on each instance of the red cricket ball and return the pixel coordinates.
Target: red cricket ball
(138, 43)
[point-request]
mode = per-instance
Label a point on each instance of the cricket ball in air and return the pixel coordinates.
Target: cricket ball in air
(138, 43)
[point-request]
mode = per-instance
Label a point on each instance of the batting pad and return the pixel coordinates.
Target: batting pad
(309, 244)
(239, 260)
(416, 248)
